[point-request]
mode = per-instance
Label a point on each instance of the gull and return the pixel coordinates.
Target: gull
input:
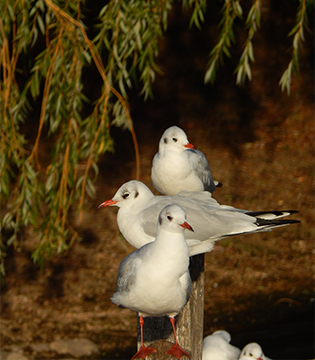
(139, 209)
(179, 166)
(154, 280)
(252, 351)
(217, 347)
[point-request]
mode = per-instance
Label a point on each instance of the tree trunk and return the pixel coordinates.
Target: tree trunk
(157, 331)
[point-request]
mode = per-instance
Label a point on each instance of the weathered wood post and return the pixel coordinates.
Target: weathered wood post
(157, 331)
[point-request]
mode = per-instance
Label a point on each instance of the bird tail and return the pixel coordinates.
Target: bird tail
(271, 215)
(217, 183)
(274, 223)
(265, 221)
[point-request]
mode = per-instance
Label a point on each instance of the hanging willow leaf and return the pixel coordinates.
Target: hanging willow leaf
(305, 6)
(231, 10)
(243, 70)
(44, 48)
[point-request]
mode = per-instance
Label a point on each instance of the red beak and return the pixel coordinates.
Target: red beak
(190, 146)
(107, 203)
(185, 225)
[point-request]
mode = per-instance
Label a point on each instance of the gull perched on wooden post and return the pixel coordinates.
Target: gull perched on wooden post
(154, 280)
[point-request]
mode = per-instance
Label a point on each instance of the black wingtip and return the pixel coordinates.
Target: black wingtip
(263, 222)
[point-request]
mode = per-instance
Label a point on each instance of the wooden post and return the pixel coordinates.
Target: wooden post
(157, 331)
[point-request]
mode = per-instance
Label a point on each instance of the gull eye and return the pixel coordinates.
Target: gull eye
(125, 195)
(174, 139)
(169, 218)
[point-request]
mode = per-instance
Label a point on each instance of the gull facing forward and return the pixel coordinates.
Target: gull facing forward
(179, 166)
(154, 280)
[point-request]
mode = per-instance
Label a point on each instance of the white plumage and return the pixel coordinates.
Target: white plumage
(217, 347)
(139, 210)
(154, 280)
(179, 166)
(252, 351)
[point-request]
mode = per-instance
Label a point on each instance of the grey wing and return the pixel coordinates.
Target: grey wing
(202, 169)
(127, 271)
(150, 214)
(201, 214)
(204, 196)
(205, 199)
(219, 223)
(190, 201)
(211, 220)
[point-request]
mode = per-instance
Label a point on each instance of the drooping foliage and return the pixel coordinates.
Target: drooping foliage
(45, 48)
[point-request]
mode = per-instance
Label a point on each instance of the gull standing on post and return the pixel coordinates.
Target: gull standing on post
(179, 166)
(139, 210)
(154, 280)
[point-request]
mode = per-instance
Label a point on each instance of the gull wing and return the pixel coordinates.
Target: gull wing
(201, 167)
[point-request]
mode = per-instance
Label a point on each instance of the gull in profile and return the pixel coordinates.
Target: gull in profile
(139, 210)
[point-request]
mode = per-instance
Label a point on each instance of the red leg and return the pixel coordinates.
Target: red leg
(176, 350)
(144, 351)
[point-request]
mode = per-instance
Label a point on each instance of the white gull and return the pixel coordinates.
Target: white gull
(179, 166)
(252, 351)
(217, 347)
(139, 210)
(154, 280)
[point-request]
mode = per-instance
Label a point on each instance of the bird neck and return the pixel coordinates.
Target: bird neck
(171, 250)
(172, 244)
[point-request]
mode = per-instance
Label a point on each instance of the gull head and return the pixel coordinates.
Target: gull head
(129, 194)
(173, 219)
(252, 351)
(174, 139)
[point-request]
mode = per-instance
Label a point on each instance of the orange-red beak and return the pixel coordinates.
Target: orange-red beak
(185, 225)
(190, 146)
(107, 203)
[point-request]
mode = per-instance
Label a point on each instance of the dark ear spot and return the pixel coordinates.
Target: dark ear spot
(136, 194)
(160, 220)
(165, 140)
